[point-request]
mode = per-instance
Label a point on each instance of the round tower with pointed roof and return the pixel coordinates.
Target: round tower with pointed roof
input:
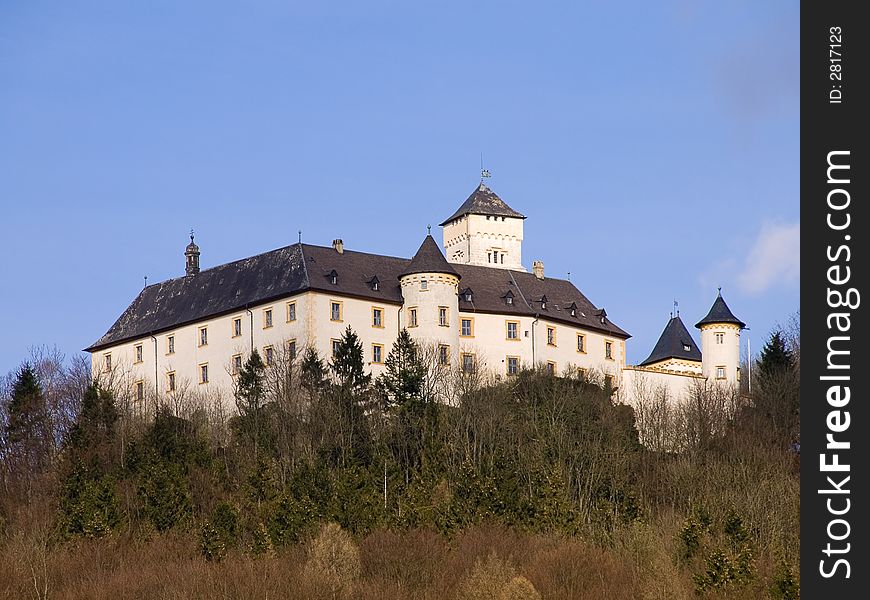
(191, 257)
(430, 289)
(720, 343)
(485, 231)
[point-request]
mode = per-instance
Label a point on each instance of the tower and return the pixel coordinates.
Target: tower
(485, 231)
(720, 343)
(430, 289)
(191, 256)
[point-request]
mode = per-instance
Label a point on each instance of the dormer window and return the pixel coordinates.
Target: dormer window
(687, 347)
(333, 277)
(375, 284)
(467, 294)
(509, 298)
(543, 303)
(572, 310)
(602, 316)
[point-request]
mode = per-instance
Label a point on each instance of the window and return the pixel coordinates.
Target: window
(489, 256)
(268, 355)
(551, 336)
(140, 390)
(170, 344)
(412, 317)
(581, 343)
(502, 258)
(467, 328)
(335, 346)
(377, 354)
(138, 350)
(443, 320)
(377, 316)
(335, 311)
(513, 330)
(551, 368)
(468, 363)
(468, 296)
(720, 372)
(170, 381)
(424, 285)
(608, 350)
(720, 338)
(107, 362)
(291, 349)
(687, 347)
(443, 355)
(291, 311)
(267, 318)
(236, 364)
(237, 327)
(513, 365)
(203, 373)
(203, 336)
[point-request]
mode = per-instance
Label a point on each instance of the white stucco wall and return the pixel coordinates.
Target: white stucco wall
(467, 240)
(726, 354)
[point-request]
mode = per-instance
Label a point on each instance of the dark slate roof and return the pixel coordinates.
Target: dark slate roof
(429, 259)
(672, 344)
(720, 313)
(483, 201)
(301, 267)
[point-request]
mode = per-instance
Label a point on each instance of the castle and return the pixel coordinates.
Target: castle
(475, 304)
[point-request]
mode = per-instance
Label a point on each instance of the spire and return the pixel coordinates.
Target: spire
(483, 201)
(428, 259)
(191, 255)
(720, 313)
(674, 342)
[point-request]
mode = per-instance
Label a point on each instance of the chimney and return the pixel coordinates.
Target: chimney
(538, 269)
(338, 246)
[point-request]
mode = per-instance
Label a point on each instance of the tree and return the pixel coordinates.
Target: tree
(28, 427)
(313, 373)
(349, 396)
(402, 382)
(347, 362)
(775, 414)
(249, 392)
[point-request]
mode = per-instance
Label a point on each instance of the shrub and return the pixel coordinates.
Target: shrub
(487, 579)
(519, 588)
(220, 533)
(333, 561)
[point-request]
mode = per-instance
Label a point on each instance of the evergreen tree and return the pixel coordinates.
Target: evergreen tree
(28, 428)
(96, 419)
(347, 362)
(250, 394)
(313, 372)
(775, 357)
(349, 396)
(402, 381)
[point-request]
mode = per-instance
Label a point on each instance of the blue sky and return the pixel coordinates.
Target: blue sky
(652, 145)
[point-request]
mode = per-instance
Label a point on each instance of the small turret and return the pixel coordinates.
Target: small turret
(720, 343)
(430, 288)
(191, 255)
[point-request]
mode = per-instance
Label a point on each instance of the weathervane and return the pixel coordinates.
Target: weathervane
(484, 173)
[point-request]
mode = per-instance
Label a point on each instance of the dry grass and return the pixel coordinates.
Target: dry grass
(488, 562)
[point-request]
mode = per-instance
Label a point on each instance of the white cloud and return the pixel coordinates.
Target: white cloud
(774, 259)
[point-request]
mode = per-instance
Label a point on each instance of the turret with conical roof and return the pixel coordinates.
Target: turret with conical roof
(191, 257)
(430, 289)
(485, 231)
(675, 350)
(720, 343)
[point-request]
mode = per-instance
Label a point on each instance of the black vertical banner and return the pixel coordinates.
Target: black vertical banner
(835, 169)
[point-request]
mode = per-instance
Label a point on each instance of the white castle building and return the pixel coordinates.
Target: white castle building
(478, 306)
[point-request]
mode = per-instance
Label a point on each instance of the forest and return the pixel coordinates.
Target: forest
(423, 483)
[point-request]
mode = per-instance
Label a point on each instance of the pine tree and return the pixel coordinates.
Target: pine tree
(313, 372)
(250, 392)
(775, 357)
(347, 362)
(28, 428)
(402, 381)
